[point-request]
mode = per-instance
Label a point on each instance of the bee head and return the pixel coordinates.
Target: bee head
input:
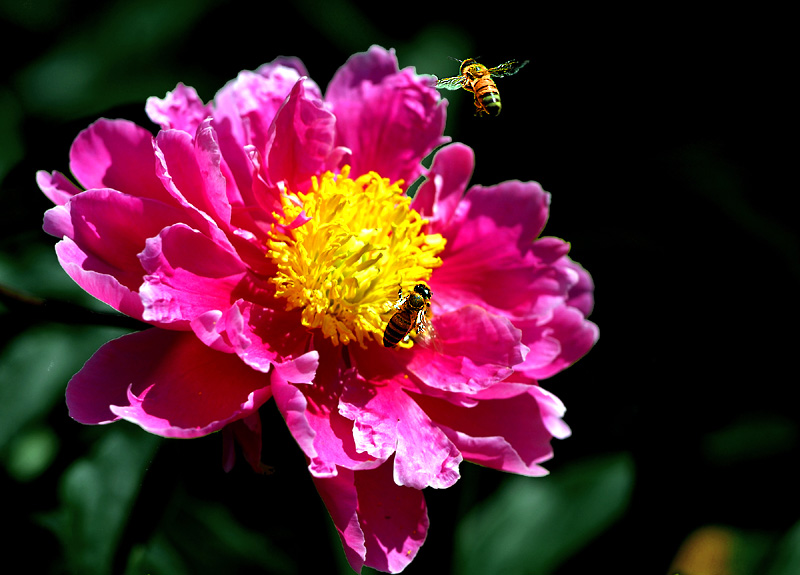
(423, 290)
(466, 64)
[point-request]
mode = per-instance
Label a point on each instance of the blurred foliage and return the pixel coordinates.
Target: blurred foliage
(96, 495)
(106, 58)
(34, 368)
(227, 546)
(531, 526)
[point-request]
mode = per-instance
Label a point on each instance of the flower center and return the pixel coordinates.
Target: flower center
(344, 248)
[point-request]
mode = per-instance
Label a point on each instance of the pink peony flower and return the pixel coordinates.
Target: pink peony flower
(264, 236)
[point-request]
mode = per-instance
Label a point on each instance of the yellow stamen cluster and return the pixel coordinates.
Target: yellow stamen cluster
(362, 242)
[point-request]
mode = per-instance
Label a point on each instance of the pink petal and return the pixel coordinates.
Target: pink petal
(105, 283)
(276, 337)
(284, 72)
(439, 196)
(552, 411)
(244, 111)
(566, 337)
(190, 170)
(168, 383)
(299, 141)
(187, 275)
(509, 427)
(58, 222)
(581, 294)
(515, 210)
(339, 494)
(521, 207)
(224, 331)
(181, 109)
(247, 433)
(389, 119)
(394, 519)
(387, 419)
(264, 338)
(371, 67)
(250, 103)
(311, 413)
(492, 236)
(116, 154)
(473, 350)
(382, 525)
(56, 186)
(111, 228)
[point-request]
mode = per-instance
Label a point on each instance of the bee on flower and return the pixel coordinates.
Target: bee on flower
(412, 314)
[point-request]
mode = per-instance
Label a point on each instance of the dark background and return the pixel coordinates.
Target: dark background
(666, 136)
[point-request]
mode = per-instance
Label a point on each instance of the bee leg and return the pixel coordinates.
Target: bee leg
(399, 303)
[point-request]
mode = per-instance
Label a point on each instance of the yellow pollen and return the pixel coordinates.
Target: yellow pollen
(344, 248)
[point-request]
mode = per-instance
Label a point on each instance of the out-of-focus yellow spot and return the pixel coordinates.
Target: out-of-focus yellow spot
(707, 551)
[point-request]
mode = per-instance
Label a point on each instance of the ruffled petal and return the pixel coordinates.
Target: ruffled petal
(382, 525)
(557, 344)
(509, 427)
(387, 420)
(369, 67)
(439, 195)
(181, 109)
(190, 170)
(187, 275)
(278, 338)
(299, 141)
(111, 229)
(311, 413)
(99, 280)
(166, 382)
(581, 294)
(263, 337)
(389, 118)
(472, 350)
(491, 260)
(339, 494)
(284, 71)
(116, 154)
(394, 519)
(56, 186)
(58, 222)
(248, 105)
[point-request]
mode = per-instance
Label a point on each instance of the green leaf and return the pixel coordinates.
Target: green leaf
(31, 452)
(97, 493)
(157, 557)
(32, 269)
(228, 546)
(531, 525)
(750, 438)
(787, 556)
(35, 368)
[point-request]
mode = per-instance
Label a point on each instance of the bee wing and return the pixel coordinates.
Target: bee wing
(426, 335)
(422, 324)
(507, 69)
(453, 83)
(428, 338)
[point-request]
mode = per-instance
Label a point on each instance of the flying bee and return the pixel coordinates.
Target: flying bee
(477, 78)
(413, 312)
